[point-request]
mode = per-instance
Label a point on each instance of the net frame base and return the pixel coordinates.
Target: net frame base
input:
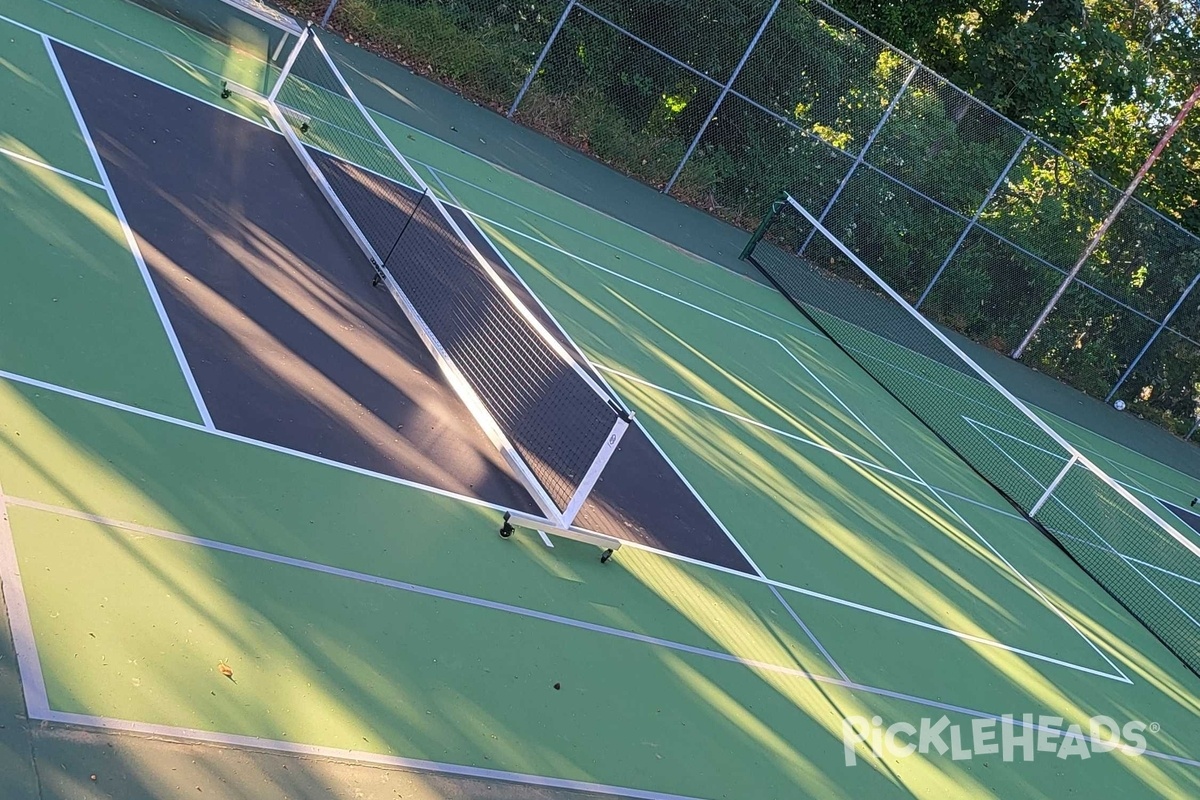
(1075, 462)
(554, 521)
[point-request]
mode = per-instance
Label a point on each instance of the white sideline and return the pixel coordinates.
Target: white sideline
(798, 361)
(131, 240)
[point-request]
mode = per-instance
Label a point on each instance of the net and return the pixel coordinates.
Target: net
(1149, 567)
(550, 419)
(249, 25)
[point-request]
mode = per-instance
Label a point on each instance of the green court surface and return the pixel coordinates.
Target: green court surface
(372, 621)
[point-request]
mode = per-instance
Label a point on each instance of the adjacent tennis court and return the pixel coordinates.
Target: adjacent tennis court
(270, 384)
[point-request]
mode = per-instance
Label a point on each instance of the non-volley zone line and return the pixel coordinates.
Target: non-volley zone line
(982, 426)
(781, 585)
(944, 387)
(502, 226)
(915, 477)
(175, 58)
(33, 683)
(457, 597)
(830, 392)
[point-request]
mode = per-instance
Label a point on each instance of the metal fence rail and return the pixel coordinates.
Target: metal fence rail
(972, 218)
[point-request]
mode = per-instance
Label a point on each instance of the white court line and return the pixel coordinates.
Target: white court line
(484, 504)
(234, 437)
(740, 325)
(1049, 604)
(254, 742)
(422, 765)
(797, 437)
(131, 240)
(494, 605)
(43, 165)
(518, 205)
(679, 473)
(112, 63)
(622, 250)
(1107, 546)
(1139, 561)
(33, 683)
(751, 421)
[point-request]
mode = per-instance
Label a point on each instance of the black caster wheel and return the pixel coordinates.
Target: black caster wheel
(605, 556)
(375, 280)
(304, 127)
(226, 94)
(506, 530)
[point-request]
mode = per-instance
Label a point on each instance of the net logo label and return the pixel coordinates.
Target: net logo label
(1006, 737)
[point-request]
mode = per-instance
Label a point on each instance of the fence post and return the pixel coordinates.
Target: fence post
(1153, 337)
(970, 225)
(721, 97)
(862, 154)
(1195, 425)
(1094, 243)
(541, 57)
(328, 12)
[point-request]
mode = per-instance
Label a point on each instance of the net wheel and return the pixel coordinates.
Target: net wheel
(506, 530)
(605, 556)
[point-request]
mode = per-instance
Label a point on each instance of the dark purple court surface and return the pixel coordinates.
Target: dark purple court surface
(289, 343)
(1191, 518)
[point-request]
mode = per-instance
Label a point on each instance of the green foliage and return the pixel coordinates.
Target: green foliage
(1098, 78)
(484, 48)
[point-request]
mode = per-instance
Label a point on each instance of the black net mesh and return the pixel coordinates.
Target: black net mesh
(248, 25)
(708, 35)
(379, 206)
(617, 99)
(820, 71)
(554, 419)
(746, 154)
(947, 144)
(990, 292)
(324, 117)
(485, 48)
(1141, 562)
(904, 234)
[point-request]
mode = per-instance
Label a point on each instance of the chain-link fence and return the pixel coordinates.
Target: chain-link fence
(723, 103)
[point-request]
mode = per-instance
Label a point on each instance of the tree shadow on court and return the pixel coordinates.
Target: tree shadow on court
(362, 652)
(317, 656)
